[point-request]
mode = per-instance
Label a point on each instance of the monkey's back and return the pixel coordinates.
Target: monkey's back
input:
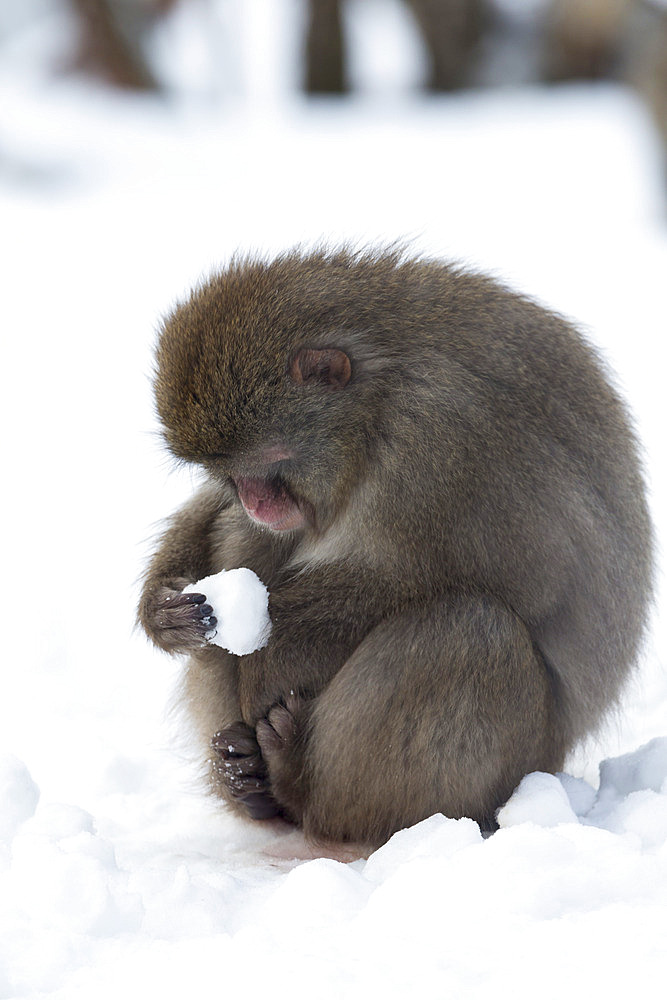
(519, 475)
(502, 457)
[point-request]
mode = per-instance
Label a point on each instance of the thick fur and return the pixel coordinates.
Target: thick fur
(470, 591)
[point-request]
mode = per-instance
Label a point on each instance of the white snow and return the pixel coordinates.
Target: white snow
(540, 798)
(117, 874)
(240, 602)
(19, 796)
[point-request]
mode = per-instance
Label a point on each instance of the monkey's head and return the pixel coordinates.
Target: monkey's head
(258, 381)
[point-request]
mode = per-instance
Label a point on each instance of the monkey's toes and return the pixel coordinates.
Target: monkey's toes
(237, 740)
(240, 769)
(278, 736)
(277, 732)
(259, 805)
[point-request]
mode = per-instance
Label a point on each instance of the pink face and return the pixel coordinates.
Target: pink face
(268, 501)
(270, 504)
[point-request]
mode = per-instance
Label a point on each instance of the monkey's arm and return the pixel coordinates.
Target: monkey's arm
(178, 622)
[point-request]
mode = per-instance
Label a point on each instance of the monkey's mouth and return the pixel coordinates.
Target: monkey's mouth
(269, 502)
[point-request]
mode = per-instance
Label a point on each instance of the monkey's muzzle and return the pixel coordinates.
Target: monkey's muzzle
(269, 502)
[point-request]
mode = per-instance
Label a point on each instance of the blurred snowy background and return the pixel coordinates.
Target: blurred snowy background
(115, 872)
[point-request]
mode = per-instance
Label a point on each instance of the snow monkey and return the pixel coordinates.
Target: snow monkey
(439, 487)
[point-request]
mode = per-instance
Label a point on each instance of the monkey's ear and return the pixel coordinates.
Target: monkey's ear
(328, 367)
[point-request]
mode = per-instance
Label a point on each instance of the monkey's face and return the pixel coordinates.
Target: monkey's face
(267, 420)
(278, 497)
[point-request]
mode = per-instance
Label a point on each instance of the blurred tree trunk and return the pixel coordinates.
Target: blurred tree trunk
(325, 70)
(112, 37)
(647, 61)
(584, 38)
(451, 29)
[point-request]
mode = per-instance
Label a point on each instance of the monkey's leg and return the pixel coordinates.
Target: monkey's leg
(236, 770)
(438, 710)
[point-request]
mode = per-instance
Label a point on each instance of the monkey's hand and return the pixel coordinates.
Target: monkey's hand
(176, 622)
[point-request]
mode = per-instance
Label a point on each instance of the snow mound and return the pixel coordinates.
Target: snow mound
(541, 799)
(19, 796)
(436, 836)
(85, 912)
(631, 799)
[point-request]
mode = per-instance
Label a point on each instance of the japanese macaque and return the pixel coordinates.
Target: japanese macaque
(440, 489)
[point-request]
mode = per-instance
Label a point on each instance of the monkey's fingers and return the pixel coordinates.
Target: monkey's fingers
(185, 611)
(177, 600)
(179, 622)
(200, 615)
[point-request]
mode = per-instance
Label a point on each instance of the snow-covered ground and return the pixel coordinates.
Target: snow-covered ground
(116, 874)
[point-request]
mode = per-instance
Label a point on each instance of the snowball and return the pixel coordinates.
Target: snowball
(18, 796)
(540, 798)
(240, 602)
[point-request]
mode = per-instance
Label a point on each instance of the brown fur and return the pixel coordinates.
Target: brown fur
(469, 590)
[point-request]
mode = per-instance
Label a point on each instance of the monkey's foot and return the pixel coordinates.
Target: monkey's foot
(241, 771)
(276, 733)
(278, 739)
